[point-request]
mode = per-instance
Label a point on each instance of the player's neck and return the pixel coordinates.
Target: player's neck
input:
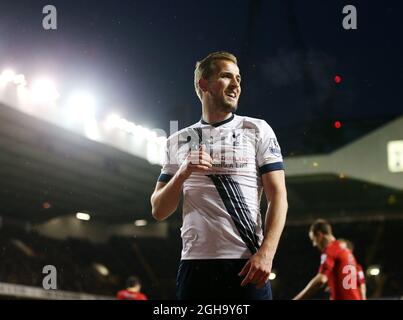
(328, 239)
(214, 116)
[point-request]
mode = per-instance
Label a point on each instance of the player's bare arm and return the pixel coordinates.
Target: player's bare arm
(363, 290)
(312, 287)
(258, 268)
(166, 196)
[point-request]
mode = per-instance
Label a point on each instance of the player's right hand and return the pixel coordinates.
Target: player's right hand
(196, 161)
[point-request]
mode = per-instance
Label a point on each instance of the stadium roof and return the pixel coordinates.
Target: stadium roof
(48, 171)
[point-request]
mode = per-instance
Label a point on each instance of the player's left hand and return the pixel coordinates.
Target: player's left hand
(257, 270)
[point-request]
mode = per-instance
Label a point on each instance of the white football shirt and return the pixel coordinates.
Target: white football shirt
(221, 210)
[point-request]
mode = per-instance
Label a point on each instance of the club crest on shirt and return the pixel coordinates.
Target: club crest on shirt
(236, 137)
(323, 258)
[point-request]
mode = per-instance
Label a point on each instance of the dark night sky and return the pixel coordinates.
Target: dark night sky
(138, 57)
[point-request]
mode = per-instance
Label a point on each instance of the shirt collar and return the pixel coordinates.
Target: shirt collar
(217, 124)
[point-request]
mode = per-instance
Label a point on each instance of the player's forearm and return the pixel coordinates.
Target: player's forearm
(275, 220)
(312, 287)
(363, 289)
(165, 201)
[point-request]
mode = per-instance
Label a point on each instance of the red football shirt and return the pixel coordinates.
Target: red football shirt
(130, 295)
(360, 275)
(340, 267)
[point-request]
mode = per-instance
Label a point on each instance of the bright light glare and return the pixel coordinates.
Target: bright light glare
(112, 121)
(83, 100)
(161, 140)
(81, 107)
(83, 216)
(91, 129)
(374, 271)
(140, 223)
(127, 126)
(20, 80)
(272, 276)
(152, 135)
(101, 269)
(44, 90)
(7, 76)
(153, 154)
(115, 121)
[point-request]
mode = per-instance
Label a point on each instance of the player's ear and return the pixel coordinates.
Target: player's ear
(203, 84)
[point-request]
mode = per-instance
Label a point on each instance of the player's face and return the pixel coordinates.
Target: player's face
(316, 240)
(225, 86)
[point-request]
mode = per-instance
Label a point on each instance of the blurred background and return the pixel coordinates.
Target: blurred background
(85, 110)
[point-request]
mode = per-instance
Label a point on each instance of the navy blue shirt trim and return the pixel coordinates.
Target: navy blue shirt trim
(271, 167)
(218, 123)
(164, 177)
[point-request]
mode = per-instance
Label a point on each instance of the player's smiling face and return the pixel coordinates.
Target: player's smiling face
(225, 86)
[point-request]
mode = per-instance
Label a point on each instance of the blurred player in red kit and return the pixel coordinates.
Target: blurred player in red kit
(132, 291)
(338, 266)
(360, 272)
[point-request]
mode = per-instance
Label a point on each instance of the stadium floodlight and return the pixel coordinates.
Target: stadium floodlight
(126, 125)
(154, 156)
(24, 97)
(91, 129)
(101, 269)
(7, 76)
(148, 134)
(374, 271)
(112, 121)
(83, 216)
(44, 90)
(140, 223)
(138, 131)
(81, 107)
(152, 135)
(161, 140)
(20, 80)
(272, 276)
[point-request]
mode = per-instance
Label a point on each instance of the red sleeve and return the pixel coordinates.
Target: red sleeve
(142, 296)
(360, 275)
(326, 263)
(119, 295)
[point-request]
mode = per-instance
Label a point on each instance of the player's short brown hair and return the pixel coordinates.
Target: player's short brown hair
(132, 281)
(205, 68)
(321, 225)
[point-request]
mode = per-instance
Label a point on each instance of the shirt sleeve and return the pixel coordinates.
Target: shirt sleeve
(360, 275)
(326, 264)
(170, 164)
(119, 295)
(142, 296)
(269, 157)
